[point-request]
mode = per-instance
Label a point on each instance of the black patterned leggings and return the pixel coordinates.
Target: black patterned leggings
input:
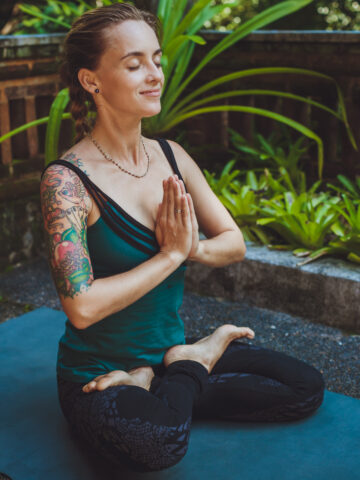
(149, 430)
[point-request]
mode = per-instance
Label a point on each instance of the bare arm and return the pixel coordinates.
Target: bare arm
(225, 242)
(65, 206)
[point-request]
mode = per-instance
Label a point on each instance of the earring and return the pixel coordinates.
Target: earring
(97, 90)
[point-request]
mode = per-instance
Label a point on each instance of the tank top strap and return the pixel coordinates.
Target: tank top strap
(124, 225)
(90, 186)
(170, 156)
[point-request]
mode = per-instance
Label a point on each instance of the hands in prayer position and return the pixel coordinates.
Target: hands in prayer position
(177, 230)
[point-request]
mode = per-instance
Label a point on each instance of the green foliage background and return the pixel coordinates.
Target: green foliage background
(320, 15)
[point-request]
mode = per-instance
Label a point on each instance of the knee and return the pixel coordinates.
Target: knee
(315, 383)
(162, 449)
(160, 457)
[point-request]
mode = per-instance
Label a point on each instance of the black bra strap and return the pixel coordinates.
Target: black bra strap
(170, 156)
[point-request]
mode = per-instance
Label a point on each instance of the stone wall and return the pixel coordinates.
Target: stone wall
(21, 234)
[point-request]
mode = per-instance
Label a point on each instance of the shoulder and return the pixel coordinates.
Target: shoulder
(177, 148)
(185, 162)
(61, 185)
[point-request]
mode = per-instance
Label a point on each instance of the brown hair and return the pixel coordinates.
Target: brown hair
(84, 44)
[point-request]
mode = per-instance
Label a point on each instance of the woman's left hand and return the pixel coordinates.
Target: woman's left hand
(194, 222)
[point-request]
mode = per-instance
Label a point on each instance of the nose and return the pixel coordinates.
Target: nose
(155, 73)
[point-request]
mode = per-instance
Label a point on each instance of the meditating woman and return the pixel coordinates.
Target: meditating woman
(122, 214)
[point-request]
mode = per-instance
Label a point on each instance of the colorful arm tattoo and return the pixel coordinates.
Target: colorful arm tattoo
(65, 205)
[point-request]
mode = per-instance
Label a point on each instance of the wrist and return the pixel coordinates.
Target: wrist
(175, 258)
(198, 254)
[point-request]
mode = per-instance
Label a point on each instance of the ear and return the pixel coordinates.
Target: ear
(88, 80)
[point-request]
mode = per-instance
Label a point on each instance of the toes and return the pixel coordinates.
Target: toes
(245, 332)
(89, 386)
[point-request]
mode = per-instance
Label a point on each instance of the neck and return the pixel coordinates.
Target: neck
(122, 141)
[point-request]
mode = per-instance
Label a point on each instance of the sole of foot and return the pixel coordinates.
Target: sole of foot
(208, 350)
(140, 377)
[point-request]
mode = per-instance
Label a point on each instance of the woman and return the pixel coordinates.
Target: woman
(129, 381)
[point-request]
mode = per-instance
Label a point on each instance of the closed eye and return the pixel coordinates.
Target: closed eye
(135, 68)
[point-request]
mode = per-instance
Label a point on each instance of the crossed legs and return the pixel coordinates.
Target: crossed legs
(149, 429)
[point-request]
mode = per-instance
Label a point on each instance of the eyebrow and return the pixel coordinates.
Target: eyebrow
(139, 54)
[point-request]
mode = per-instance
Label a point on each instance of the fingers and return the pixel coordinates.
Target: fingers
(171, 189)
(174, 190)
(182, 186)
(178, 202)
(189, 198)
(192, 212)
(165, 199)
(185, 214)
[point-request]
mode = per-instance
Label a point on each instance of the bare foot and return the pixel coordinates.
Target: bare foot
(208, 350)
(140, 376)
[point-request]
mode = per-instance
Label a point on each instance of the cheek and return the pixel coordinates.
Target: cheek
(127, 83)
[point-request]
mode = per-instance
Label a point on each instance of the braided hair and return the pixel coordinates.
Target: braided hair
(83, 46)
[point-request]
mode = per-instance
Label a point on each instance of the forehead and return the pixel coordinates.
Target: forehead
(131, 35)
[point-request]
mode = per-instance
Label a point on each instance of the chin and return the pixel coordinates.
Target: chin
(152, 113)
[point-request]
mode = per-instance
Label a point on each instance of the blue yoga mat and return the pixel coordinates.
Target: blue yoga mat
(36, 444)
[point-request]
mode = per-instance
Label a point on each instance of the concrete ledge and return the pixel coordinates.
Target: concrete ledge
(326, 291)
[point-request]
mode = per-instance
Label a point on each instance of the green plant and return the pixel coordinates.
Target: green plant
(56, 16)
(178, 40)
(283, 182)
(172, 113)
(351, 188)
(242, 205)
(349, 233)
(240, 198)
(321, 15)
(273, 152)
(347, 243)
(303, 221)
(224, 180)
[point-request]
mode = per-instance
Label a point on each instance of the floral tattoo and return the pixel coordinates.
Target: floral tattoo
(65, 206)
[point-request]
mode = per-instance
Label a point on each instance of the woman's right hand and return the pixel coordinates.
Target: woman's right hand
(174, 230)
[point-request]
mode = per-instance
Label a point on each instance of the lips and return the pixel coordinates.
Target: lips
(151, 91)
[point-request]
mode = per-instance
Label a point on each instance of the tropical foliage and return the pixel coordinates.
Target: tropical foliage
(56, 16)
(320, 15)
(270, 209)
(179, 36)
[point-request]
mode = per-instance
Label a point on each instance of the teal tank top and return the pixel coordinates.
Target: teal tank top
(141, 333)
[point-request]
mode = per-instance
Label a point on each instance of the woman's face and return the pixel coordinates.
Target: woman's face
(122, 77)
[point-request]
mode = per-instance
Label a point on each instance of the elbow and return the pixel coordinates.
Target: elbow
(80, 318)
(242, 252)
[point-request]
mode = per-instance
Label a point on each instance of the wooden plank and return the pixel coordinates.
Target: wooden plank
(14, 188)
(31, 86)
(39, 80)
(32, 133)
(6, 153)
